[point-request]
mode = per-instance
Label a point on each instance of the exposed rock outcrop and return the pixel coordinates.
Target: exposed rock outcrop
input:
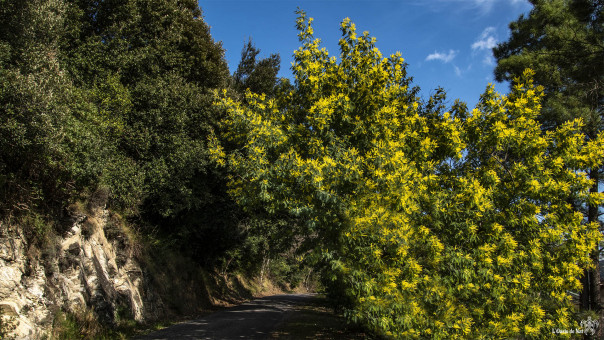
(90, 267)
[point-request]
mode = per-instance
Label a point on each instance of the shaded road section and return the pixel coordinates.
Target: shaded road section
(289, 316)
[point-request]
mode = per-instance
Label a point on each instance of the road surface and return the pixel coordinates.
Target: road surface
(290, 316)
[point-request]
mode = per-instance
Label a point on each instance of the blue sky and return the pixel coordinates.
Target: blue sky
(446, 43)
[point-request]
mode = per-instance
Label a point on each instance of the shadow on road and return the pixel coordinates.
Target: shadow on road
(292, 316)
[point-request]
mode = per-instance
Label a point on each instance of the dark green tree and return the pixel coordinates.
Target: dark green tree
(563, 42)
(49, 145)
(259, 76)
(152, 66)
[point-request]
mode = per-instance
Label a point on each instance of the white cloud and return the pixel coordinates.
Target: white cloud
(484, 5)
(489, 60)
(479, 7)
(486, 41)
(460, 72)
(444, 57)
(457, 71)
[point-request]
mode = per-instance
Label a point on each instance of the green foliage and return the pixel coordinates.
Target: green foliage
(433, 224)
(126, 181)
(259, 76)
(35, 226)
(106, 93)
(48, 149)
(83, 324)
(561, 41)
(148, 69)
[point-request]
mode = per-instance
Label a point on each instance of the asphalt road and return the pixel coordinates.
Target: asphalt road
(291, 316)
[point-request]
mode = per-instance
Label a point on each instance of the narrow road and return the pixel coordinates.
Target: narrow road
(291, 316)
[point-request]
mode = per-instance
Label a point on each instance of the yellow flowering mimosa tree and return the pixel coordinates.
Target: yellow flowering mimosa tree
(434, 224)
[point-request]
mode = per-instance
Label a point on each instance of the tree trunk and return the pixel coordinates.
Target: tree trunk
(263, 271)
(590, 296)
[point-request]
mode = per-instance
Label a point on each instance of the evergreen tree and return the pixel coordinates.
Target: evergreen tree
(259, 76)
(563, 42)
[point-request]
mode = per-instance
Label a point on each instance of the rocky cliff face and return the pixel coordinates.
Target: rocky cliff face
(90, 267)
